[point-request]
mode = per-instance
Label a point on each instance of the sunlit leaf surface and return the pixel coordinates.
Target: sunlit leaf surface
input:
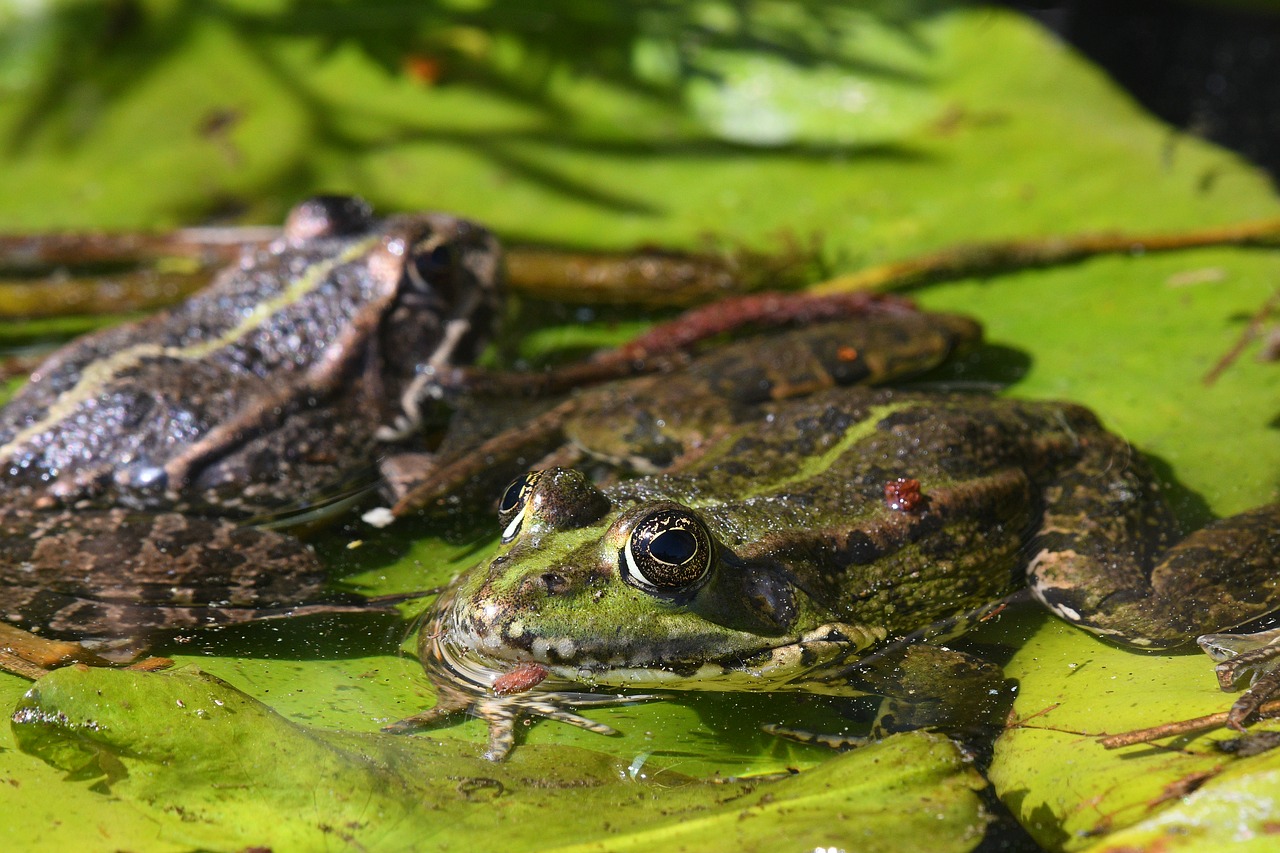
(238, 775)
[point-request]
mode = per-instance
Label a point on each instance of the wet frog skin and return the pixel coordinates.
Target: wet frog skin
(133, 454)
(811, 544)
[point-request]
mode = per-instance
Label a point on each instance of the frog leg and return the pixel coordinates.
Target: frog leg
(935, 687)
(502, 712)
(25, 654)
(1240, 656)
(922, 686)
(1103, 561)
(531, 440)
(501, 699)
(664, 347)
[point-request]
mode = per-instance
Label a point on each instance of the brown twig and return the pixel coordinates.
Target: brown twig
(653, 277)
(1181, 727)
(644, 276)
(1251, 330)
(130, 290)
(86, 248)
(979, 259)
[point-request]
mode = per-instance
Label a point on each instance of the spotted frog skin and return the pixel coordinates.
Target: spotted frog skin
(133, 456)
(814, 544)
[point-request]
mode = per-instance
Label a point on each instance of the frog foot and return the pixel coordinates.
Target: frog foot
(502, 712)
(1240, 656)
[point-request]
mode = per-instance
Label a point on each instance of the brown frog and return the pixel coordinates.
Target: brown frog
(133, 456)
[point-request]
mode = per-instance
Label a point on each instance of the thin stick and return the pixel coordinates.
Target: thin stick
(92, 295)
(84, 248)
(645, 276)
(1182, 727)
(980, 259)
(1251, 330)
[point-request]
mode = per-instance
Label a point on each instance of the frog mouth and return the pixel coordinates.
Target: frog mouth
(469, 656)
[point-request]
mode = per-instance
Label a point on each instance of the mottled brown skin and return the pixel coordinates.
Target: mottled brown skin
(134, 454)
(651, 423)
(1002, 479)
(812, 553)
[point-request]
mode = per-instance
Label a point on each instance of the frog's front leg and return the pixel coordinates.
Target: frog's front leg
(502, 712)
(509, 698)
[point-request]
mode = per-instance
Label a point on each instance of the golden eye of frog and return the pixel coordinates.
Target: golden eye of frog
(815, 544)
(132, 452)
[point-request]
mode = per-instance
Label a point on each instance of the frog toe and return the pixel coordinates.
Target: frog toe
(449, 701)
(555, 708)
(502, 713)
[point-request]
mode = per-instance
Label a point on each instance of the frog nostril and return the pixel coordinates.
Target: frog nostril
(555, 584)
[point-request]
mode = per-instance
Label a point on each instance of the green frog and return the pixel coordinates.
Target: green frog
(782, 531)
(134, 456)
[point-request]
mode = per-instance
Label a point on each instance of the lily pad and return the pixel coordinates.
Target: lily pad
(608, 126)
(212, 768)
(1056, 776)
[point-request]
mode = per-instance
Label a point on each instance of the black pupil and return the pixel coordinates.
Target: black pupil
(511, 497)
(673, 547)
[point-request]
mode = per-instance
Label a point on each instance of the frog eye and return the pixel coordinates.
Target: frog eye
(669, 550)
(428, 268)
(514, 502)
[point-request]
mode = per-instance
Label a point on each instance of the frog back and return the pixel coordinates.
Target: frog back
(880, 507)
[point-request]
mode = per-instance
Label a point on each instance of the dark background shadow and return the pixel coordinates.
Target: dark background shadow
(1208, 69)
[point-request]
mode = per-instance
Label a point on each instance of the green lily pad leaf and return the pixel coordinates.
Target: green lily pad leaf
(1229, 807)
(216, 769)
(1053, 773)
(875, 91)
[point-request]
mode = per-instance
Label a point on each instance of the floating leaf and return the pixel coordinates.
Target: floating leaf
(1069, 790)
(216, 769)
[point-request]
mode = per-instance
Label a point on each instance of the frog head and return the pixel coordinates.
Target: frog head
(625, 588)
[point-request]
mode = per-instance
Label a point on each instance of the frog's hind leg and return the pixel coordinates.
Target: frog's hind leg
(30, 656)
(1103, 561)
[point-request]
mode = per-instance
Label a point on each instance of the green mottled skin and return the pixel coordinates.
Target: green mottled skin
(810, 556)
